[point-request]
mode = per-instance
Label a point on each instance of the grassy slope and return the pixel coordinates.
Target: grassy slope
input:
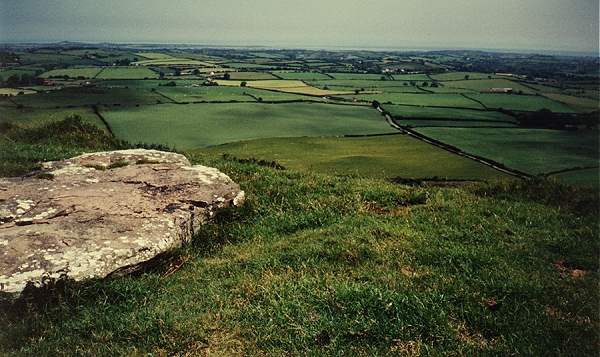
(534, 151)
(316, 265)
(520, 102)
(379, 157)
(201, 125)
(446, 113)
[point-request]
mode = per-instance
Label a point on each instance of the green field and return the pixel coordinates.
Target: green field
(375, 157)
(358, 76)
(31, 118)
(534, 151)
(367, 84)
(245, 65)
(457, 76)
(250, 76)
(126, 73)
(86, 72)
(425, 100)
(304, 76)
(89, 96)
(579, 103)
(487, 84)
(453, 123)
(205, 94)
(586, 177)
(201, 125)
(412, 77)
(520, 102)
(6, 73)
(412, 112)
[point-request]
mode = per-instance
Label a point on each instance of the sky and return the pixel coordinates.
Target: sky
(565, 25)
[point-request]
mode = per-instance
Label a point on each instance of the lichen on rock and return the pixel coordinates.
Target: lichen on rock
(102, 213)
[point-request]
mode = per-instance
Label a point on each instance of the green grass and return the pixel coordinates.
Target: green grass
(356, 76)
(487, 84)
(412, 77)
(534, 151)
(201, 125)
(420, 123)
(457, 76)
(375, 157)
(250, 76)
(411, 112)
(245, 65)
(317, 265)
(367, 84)
(32, 118)
(305, 76)
(89, 96)
(579, 103)
(127, 73)
(208, 94)
(23, 147)
(87, 72)
(5, 73)
(520, 102)
(424, 99)
(585, 177)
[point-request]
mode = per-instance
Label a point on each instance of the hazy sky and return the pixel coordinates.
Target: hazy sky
(512, 24)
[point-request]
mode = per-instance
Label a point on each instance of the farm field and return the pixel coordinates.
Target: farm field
(580, 103)
(288, 86)
(201, 125)
(250, 76)
(31, 118)
(374, 157)
(459, 76)
(486, 84)
(15, 91)
(126, 73)
(305, 76)
(244, 65)
(205, 94)
(356, 76)
(172, 62)
(520, 102)
(86, 72)
(367, 84)
(88, 96)
(6, 73)
(412, 112)
(411, 77)
(422, 123)
(585, 177)
(425, 100)
(534, 151)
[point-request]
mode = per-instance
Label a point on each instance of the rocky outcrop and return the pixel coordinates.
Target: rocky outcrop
(101, 213)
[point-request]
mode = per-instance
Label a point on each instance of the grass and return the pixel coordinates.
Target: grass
(86, 72)
(425, 100)
(358, 76)
(579, 103)
(127, 73)
(375, 157)
(305, 76)
(487, 84)
(201, 125)
(586, 177)
(24, 147)
(251, 76)
(411, 112)
(318, 265)
(209, 94)
(287, 86)
(367, 84)
(458, 76)
(420, 123)
(15, 91)
(11, 117)
(534, 151)
(89, 96)
(520, 102)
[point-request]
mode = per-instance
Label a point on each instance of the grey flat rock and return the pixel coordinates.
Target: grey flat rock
(103, 213)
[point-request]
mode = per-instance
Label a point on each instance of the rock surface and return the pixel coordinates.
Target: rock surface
(101, 213)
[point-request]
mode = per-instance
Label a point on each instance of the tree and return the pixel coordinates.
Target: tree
(243, 84)
(425, 84)
(467, 77)
(226, 76)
